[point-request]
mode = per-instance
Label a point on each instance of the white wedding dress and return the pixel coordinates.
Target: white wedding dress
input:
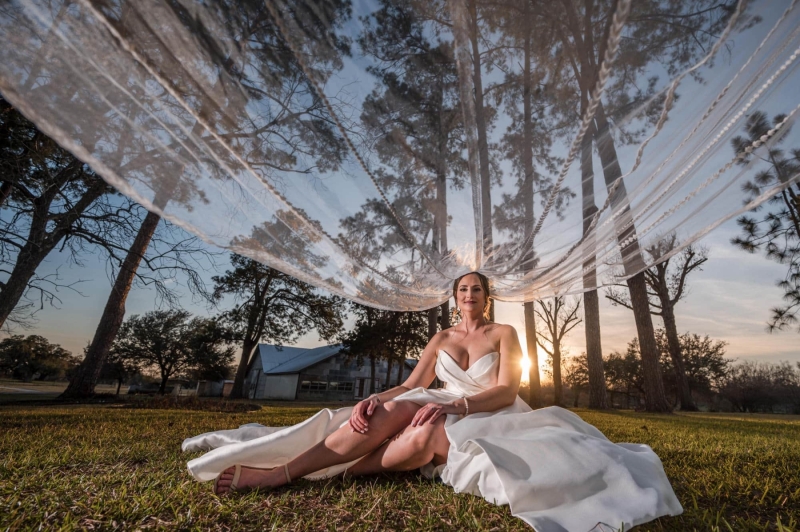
(555, 471)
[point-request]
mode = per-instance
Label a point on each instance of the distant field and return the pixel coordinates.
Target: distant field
(42, 388)
(109, 467)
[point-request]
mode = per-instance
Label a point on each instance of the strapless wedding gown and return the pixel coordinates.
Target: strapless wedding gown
(555, 471)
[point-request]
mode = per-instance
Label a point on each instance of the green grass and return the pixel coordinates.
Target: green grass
(107, 467)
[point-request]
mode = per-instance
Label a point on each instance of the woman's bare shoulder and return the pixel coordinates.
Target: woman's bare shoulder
(501, 329)
(441, 337)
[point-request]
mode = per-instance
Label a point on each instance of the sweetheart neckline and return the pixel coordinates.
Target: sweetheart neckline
(473, 364)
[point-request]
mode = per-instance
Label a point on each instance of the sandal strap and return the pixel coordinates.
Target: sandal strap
(235, 480)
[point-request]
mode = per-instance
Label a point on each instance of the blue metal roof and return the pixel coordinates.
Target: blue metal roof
(276, 360)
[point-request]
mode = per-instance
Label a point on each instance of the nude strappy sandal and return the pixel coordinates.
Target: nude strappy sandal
(237, 472)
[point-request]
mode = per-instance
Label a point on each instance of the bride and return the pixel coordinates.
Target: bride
(556, 472)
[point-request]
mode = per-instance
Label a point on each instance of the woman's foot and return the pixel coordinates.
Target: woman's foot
(251, 478)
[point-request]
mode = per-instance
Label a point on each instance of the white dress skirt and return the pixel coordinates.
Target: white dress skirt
(555, 471)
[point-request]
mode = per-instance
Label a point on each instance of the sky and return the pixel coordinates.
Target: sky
(728, 300)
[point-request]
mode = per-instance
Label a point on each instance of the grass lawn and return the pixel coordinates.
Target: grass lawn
(108, 467)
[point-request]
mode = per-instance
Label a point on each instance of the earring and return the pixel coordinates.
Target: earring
(455, 313)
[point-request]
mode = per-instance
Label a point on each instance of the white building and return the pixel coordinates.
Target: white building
(319, 374)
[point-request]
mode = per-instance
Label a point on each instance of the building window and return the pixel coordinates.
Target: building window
(313, 386)
(343, 387)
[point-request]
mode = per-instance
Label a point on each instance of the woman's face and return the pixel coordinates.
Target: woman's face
(470, 294)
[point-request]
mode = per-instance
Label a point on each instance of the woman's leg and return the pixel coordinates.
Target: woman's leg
(410, 449)
(341, 447)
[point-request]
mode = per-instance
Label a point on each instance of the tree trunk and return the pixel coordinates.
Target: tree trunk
(28, 259)
(5, 192)
(598, 398)
(162, 388)
(119, 385)
(389, 364)
(480, 123)
(674, 346)
(558, 391)
(400, 369)
(439, 316)
(433, 316)
(439, 240)
(632, 260)
(250, 342)
(444, 317)
(534, 382)
(241, 371)
(372, 374)
(655, 396)
(535, 385)
(85, 378)
(577, 395)
(256, 320)
(591, 303)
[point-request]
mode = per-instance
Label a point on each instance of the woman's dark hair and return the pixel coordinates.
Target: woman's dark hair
(486, 290)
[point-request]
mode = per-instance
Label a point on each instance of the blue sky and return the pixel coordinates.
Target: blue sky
(729, 300)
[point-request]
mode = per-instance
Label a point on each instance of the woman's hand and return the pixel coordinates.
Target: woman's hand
(363, 410)
(433, 411)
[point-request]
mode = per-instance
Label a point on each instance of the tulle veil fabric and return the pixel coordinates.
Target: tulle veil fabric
(299, 133)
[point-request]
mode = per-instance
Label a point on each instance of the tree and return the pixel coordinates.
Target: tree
(408, 336)
(361, 342)
(576, 376)
(583, 30)
(47, 184)
(468, 33)
(50, 199)
(666, 286)
(777, 230)
(624, 374)
(272, 306)
(313, 143)
(761, 386)
(591, 301)
(170, 343)
(116, 368)
(526, 142)
(83, 382)
(209, 340)
(33, 357)
(558, 317)
(703, 359)
(167, 253)
(385, 335)
(414, 120)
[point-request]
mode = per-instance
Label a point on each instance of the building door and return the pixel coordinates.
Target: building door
(359, 388)
(254, 386)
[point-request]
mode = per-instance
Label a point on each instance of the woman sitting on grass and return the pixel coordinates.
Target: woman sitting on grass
(556, 471)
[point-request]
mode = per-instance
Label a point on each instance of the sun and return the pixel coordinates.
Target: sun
(526, 366)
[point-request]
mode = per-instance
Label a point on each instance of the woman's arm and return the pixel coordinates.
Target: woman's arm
(422, 375)
(500, 396)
